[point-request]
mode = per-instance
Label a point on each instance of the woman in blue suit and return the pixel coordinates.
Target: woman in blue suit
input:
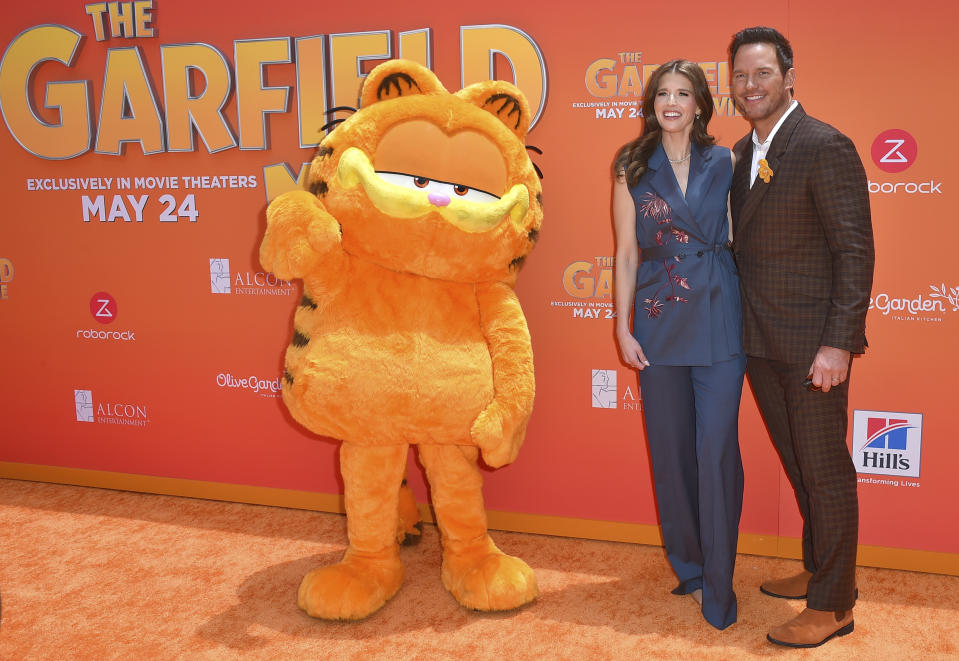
(670, 199)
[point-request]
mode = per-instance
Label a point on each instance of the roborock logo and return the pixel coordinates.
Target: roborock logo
(894, 151)
(104, 308)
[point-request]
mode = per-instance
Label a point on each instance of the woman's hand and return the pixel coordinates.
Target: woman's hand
(630, 350)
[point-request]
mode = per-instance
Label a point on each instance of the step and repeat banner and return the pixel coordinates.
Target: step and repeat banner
(142, 141)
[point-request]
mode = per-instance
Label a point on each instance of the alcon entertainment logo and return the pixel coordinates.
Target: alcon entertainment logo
(887, 443)
(247, 283)
(605, 394)
(108, 413)
(104, 310)
(894, 151)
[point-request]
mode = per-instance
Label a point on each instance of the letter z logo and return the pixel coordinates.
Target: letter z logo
(103, 307)
(894, 150)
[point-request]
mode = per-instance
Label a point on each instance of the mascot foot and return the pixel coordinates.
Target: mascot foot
(484, 578)
(357, 586)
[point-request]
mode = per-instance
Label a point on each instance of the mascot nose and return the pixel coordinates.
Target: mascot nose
(438, 200)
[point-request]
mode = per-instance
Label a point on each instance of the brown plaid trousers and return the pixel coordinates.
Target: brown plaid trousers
(804, 247)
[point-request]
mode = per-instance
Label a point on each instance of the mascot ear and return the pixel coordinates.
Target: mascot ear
(397, 78)
(503, 100)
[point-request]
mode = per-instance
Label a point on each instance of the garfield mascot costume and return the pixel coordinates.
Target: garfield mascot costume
(421, 209)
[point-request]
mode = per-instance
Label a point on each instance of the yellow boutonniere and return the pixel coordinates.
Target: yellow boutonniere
(765, 172)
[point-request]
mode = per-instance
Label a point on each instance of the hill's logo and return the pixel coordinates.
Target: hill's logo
(605, 393)
(894, 150)
(887, 443)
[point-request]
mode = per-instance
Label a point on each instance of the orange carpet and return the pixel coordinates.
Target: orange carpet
(97, 574)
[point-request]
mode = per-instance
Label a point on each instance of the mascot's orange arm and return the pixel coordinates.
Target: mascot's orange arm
(500, 428)
(300, 234)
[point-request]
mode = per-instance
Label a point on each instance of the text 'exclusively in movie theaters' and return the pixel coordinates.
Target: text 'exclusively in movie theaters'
(164, 199)
(606, 393)
(887, 443)
(109, 411)
(247, 283)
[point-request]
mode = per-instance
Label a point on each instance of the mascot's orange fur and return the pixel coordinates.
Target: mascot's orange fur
(422, 207)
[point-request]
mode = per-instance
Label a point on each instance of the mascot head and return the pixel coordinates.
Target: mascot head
(433, 183)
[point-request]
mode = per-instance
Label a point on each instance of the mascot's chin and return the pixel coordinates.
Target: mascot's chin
(421, 209)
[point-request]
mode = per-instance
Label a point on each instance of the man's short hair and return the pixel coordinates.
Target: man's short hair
(764, 35)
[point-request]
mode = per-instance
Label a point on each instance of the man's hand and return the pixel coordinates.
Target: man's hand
(829, 368)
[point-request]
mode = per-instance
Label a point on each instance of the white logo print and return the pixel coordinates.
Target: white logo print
(604, 389)
(899, 156)
(220, 276)
(83, 399)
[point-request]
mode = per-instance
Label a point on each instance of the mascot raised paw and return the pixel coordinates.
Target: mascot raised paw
(421, 208)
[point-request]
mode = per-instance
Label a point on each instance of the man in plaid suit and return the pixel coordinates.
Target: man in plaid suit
(804, 248)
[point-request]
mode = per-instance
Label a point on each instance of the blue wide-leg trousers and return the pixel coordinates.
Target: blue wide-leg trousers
(692, 426)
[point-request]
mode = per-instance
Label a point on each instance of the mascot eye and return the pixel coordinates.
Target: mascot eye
(428, 185)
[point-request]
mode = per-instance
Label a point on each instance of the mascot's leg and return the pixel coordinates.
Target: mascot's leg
(370, 572)
(477, 573)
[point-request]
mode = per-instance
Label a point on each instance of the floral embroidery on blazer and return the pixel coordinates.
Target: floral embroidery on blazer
(656, 209)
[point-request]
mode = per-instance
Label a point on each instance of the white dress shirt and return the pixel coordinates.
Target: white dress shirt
(760, 148)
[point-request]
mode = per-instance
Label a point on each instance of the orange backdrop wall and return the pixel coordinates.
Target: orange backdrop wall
(142, 142)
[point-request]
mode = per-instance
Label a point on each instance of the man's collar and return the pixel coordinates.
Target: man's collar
(772, 134)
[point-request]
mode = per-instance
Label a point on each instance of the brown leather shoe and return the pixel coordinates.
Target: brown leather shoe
(812, 628)
(793, 587)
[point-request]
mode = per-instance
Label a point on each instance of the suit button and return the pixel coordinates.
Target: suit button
(699, 253)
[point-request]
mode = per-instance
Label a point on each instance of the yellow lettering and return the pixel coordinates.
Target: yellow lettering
(347, 52)
(278, 179)
(126, 86)
(121, 19)
(184, 111)
(604, 287)
(604, 85)
(95, 11)
(479, 42)
(311, 88)
(71, 135)
(415, 45)
(580, 287)
(142, 17)
(254, 100)
(632, 84)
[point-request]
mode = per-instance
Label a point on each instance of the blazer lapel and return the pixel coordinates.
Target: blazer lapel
(774, 156)
(663, 181)
(697, 186)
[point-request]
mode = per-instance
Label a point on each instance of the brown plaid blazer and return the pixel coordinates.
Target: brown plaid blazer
(803, 243)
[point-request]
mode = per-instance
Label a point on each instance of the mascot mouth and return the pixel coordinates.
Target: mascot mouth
(398, 201)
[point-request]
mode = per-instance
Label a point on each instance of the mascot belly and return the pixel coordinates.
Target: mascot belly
(421, 209)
